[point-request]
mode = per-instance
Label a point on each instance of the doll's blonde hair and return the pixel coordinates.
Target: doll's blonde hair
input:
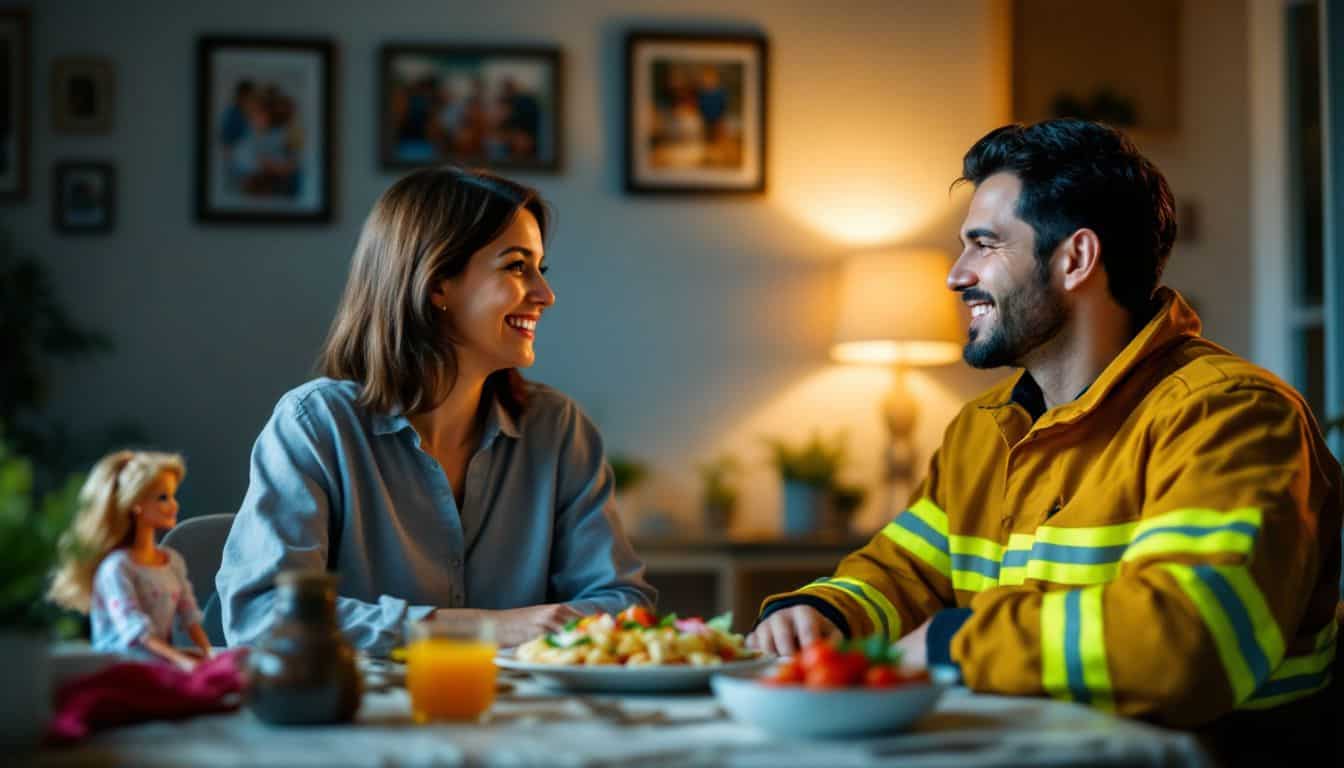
(103, 521)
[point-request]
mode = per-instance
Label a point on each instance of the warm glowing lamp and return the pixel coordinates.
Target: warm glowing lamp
(896, 310)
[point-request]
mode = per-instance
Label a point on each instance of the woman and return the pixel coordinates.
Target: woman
(422, 468)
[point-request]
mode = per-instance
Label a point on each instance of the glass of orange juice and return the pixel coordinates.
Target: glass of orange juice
(450, 668)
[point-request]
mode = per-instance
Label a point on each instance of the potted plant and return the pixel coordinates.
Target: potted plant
(808, 472)
(29, 533)
(845, 501)
(719, 495)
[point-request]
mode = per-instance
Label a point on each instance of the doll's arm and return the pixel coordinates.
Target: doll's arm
(167, 652)
(198, 636)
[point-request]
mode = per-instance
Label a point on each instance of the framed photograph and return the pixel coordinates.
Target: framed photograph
(695, 113)
(264, 130)
(81, 95)
(498, 107)
(84, 197)
(15, 111)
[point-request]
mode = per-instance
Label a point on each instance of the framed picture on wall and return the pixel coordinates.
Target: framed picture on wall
(81, 95)
(695, 113)
(264, 130)
(493, 106)
(84, 197)
(15, 113)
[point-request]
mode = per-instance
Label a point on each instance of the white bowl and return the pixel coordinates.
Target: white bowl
(794, 710)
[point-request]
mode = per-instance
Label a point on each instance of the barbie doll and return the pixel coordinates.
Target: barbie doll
(112, 569)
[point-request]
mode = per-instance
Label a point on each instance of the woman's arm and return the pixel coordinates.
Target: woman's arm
(284, 523)
(593, 566)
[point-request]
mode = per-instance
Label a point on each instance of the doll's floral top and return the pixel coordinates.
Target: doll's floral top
(131, 600)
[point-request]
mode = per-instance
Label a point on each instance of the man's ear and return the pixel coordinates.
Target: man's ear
(1079, 258)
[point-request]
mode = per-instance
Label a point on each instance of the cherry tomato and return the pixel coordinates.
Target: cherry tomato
(856, 665)
(638, 614)
(787, 673)
(833, 673)
(818, 653)
(881, 676)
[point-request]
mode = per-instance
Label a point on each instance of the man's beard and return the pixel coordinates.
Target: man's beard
(1026, 319)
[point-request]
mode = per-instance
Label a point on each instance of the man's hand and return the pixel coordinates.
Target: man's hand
(789, 630)
(914, 647)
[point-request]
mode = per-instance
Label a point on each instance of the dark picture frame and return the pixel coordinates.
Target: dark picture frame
(83, 95)
(494, 106)
(265, 131)
(15, 104)
(696, 113)
(84, 197)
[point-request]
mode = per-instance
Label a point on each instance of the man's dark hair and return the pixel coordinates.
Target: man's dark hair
(1077, 174)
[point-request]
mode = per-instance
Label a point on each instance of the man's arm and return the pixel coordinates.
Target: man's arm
(889, 587)
(1213, 583)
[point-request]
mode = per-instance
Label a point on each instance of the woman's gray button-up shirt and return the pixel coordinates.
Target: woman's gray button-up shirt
(334, 485)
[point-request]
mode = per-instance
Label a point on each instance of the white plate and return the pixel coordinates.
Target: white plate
(643, 679)
(787, 710)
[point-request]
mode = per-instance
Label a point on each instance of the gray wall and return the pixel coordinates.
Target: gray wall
(685, 327)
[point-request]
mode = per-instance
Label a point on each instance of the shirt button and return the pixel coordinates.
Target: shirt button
(1006, 523)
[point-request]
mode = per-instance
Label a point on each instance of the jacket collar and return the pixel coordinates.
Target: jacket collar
(1175, 321)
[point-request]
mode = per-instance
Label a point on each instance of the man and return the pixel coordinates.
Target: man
(1139, 520)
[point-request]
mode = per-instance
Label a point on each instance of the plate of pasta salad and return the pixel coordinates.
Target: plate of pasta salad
(635, 651)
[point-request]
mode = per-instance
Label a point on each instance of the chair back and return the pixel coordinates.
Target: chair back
(200, 541)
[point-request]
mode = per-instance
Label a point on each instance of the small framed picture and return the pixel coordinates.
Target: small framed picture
(493, 106)
(81, 95)
(695, 113)
(15, 109)
(264, 132)
(85, 197)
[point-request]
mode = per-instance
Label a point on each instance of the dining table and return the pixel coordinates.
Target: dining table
(533, 725)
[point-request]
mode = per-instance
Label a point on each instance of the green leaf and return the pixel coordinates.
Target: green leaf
(670, 620)
(723, 622)
(572, 623)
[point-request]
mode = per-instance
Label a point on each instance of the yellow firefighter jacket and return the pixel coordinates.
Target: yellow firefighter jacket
(1166, 546)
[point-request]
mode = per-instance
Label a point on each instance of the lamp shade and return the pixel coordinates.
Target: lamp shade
(895, 307)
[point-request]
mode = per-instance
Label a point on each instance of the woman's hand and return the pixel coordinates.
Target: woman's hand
(518, 625)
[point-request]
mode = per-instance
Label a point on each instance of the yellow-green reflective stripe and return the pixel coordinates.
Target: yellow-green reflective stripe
(975, 562)
(1054, 675)
(937, 558)
(930, 513)
(1245, 635)
(1092, 646)
(867, 607)
(1071, 573)
(1268, 702)
(1309, 664)
(1097, 536)
(1013, 570)
(1073, 647)
(1201, 518)
(892, 624)
(1198, 532)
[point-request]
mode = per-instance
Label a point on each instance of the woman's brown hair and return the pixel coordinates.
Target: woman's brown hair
(387, 336)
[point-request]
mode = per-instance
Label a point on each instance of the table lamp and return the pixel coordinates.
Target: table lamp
(896, 310)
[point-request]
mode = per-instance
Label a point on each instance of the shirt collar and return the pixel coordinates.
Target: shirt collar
(1174, 321)
(497, 420)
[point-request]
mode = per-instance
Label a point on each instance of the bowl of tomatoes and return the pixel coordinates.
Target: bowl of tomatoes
(831, 690)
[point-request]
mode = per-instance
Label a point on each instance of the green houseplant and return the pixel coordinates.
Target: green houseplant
(34, 331)
(30, 529)
(808, 471)
(719, 494)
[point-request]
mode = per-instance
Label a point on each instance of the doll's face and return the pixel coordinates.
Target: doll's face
(157, 505)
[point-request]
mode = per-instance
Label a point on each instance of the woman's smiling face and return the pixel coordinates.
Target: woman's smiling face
(494, 306)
